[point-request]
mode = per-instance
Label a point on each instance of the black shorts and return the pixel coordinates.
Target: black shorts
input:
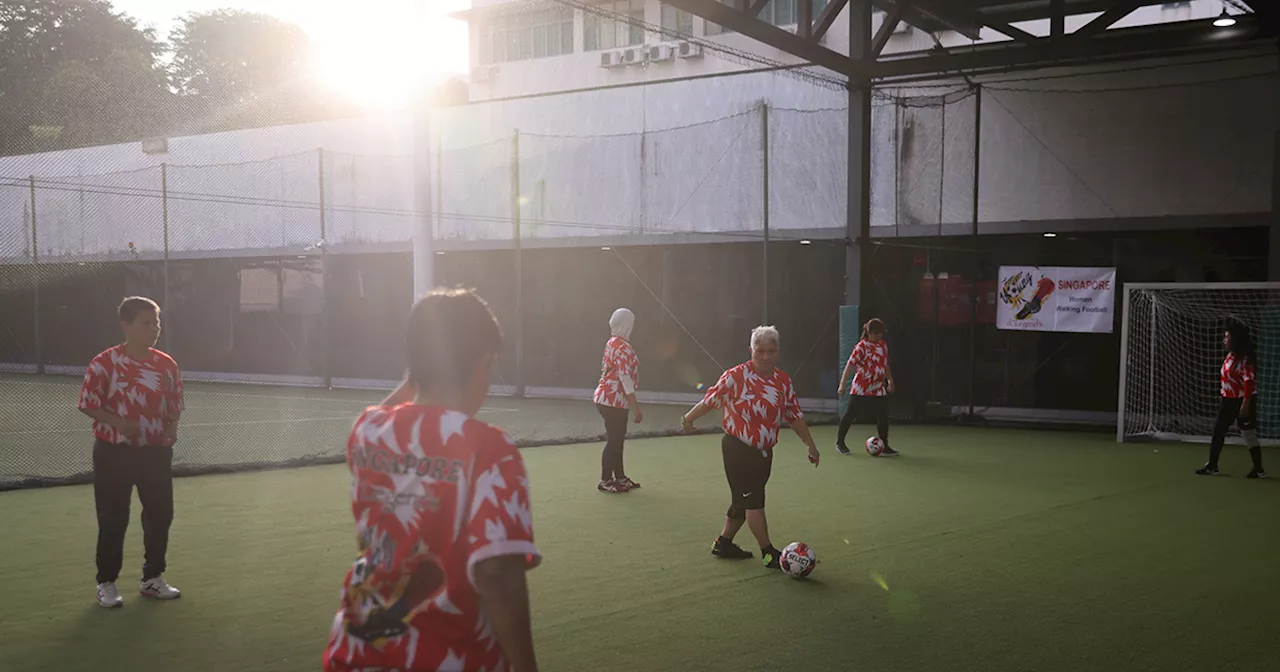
(747, 470)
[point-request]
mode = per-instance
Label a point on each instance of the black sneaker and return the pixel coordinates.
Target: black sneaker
(728, 550)
(1207, 470)
(843, 449)
(889, 452)
(772, 558)
(1257, 473)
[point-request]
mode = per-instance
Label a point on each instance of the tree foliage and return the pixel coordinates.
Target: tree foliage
(243, 69)
(76, 71)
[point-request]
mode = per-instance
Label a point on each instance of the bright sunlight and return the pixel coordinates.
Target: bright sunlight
(379, 55)
(375, 52)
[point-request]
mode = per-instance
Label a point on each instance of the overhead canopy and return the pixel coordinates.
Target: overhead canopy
(1096, 41)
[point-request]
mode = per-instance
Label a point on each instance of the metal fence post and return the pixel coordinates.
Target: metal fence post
(35, 262)
(764, 127)
(519, 265)
(164, 213)
(977, 256)
(325, 322)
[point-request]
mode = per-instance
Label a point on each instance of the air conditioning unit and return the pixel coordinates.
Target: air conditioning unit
(482, 73)
(660, 52)
(689, 50)
(634, 56)
(610, 59)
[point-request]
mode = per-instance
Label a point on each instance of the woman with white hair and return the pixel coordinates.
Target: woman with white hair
(755, 397)
(619, 375)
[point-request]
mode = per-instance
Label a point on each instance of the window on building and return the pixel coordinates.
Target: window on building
(677, 19)
(605, 32)
(524, 35)
(777, 12)
(787, 12)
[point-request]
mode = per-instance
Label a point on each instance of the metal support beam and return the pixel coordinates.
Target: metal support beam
(858, 243)
(962, 19)
(804, 18)
(1113, 45)
(891, 21)
(949, 16)
(1108, 18)
(826, 19)
(1057, 19)
(755, 7)
(1273, 257)
(773, 36)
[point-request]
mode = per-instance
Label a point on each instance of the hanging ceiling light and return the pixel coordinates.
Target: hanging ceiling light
(1224, 19)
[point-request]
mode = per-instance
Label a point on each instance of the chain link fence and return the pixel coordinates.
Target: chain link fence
(286, 281)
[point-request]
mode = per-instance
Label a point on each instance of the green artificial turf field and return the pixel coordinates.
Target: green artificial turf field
(977, 550)
(44, 438)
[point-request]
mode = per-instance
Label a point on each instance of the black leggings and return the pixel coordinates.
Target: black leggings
(876, 406)
(615, 431)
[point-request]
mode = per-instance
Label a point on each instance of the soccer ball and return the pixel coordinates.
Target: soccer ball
(798, 560)
(875, 446)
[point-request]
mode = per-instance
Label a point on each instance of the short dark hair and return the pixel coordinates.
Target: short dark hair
(134, 306)
(450, 332)
(873, 326)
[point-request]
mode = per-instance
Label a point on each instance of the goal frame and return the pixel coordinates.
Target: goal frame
(1124, 329)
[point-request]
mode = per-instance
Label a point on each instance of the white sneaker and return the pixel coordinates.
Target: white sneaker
(159, 589)
(109, 596)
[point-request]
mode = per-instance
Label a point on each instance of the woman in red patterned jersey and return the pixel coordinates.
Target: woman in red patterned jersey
(442, 513)
(756, 398)
(1239, 399)
(872, 385)
(619, 375)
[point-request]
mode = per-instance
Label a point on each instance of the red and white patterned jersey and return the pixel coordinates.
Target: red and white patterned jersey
(433, 493)
(1237, 377)
(619, 360)
(871, 365)
(754, 406)
(147, 392)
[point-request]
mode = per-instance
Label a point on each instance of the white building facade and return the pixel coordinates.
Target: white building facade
(526, 47)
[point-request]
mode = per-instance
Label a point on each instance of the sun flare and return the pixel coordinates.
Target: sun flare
(380, 55)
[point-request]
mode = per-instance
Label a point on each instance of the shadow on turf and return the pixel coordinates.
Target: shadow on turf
(95, 630)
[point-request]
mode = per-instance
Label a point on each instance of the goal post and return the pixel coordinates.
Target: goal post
(1171, 354)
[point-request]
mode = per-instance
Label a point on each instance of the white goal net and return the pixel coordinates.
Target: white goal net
(1171, 355)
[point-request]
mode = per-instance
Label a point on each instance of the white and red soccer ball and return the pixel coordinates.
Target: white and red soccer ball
(875, 446)
(798, 560)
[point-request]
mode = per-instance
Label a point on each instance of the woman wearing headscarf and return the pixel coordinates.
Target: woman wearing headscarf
(619, 375)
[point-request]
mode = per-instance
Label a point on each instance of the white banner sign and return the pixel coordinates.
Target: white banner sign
(1056, 298)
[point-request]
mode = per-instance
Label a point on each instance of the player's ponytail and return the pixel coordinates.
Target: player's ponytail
(873, 326)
